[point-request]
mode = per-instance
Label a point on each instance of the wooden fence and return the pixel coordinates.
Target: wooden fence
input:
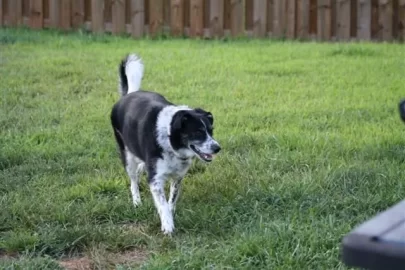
(382, 20)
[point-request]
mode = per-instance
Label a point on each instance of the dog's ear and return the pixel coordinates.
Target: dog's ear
(206, 114)
(179, 119)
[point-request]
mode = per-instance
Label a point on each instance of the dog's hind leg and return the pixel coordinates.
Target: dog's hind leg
(134, 168)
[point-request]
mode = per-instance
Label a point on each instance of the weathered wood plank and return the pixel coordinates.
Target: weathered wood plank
(364, 19)
(291, 17)
(385, 19)
(196, 18)
(118, 16)
(259, 18)
(36, 14)
(155, 17)
(97, 16)
(237, 17)
(343, 8)
(324, 20)
(137, 18)
(217, 18)
(2, 12)
(303, 22)
(54, 13)
(77, 13)
(15, 12)
(177, 17)
(401, 19)
(65, 14)
(279, 18)
(269, 19)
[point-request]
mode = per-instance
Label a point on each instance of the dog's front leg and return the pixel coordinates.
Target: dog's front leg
(175, 186)
(166, 217)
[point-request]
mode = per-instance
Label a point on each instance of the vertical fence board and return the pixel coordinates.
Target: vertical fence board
(107, 10)
(156, 17)
(364, 19)
(217, 18)
(65, 14)
(385, 19)
(176, 17)
(97, 16)
(259, 18)
(14, 12)
(137, 18)
(166, 14)
(303, 22)
(324, 20)
(291, 17)
(343, 19)
(77, 13)
(54, 13)
(237, 20)
(248, 15)
(36, 14)
(2, 11)
(118, 16)
(269, 19)
(196, 17)
(401, 20)
(278, 18)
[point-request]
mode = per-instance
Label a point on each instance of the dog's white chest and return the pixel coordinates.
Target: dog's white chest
(172, 165)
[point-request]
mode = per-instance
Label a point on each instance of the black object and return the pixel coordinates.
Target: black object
(379, 243)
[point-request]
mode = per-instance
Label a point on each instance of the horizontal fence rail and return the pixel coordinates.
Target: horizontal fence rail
(342, 20)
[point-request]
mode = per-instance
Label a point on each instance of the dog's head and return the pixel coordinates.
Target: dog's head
(193, 130)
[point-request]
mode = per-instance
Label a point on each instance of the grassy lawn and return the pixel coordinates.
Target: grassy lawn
(311, 137)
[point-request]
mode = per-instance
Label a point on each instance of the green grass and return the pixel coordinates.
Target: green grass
(312, 145)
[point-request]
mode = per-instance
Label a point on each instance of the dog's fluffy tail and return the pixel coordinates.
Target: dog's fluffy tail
(131, 73)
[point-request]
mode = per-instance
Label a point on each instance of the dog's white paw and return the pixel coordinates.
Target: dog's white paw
(137, 203)
(167, 227)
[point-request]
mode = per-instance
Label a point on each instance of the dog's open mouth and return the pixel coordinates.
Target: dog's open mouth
(205, 157)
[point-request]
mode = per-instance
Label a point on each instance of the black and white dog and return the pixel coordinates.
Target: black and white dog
(159, 137)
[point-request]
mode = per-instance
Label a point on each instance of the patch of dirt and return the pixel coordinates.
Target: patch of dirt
(105, 261)
(82, 263)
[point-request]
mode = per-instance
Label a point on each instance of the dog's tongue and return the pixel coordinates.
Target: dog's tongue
(207, 156)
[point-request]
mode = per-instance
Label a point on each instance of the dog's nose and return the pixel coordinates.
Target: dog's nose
(215, 148)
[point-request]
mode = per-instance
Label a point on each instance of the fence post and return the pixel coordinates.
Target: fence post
(155, 17)
(217, 18)
(364, 19)
(237, 17)
(1, 12)
(54, 13)
(65, 14)
(324, 20)
(196, 18)
(385, 19)
(137, 18)
(97, 16)
(401, 15)
(343, 19)
(118, 16)
(279, 18)
(303, 22)
(259, 18)
(291, 16)
(14, 12)
(77, 13)
(36, 14)
(176, 17)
